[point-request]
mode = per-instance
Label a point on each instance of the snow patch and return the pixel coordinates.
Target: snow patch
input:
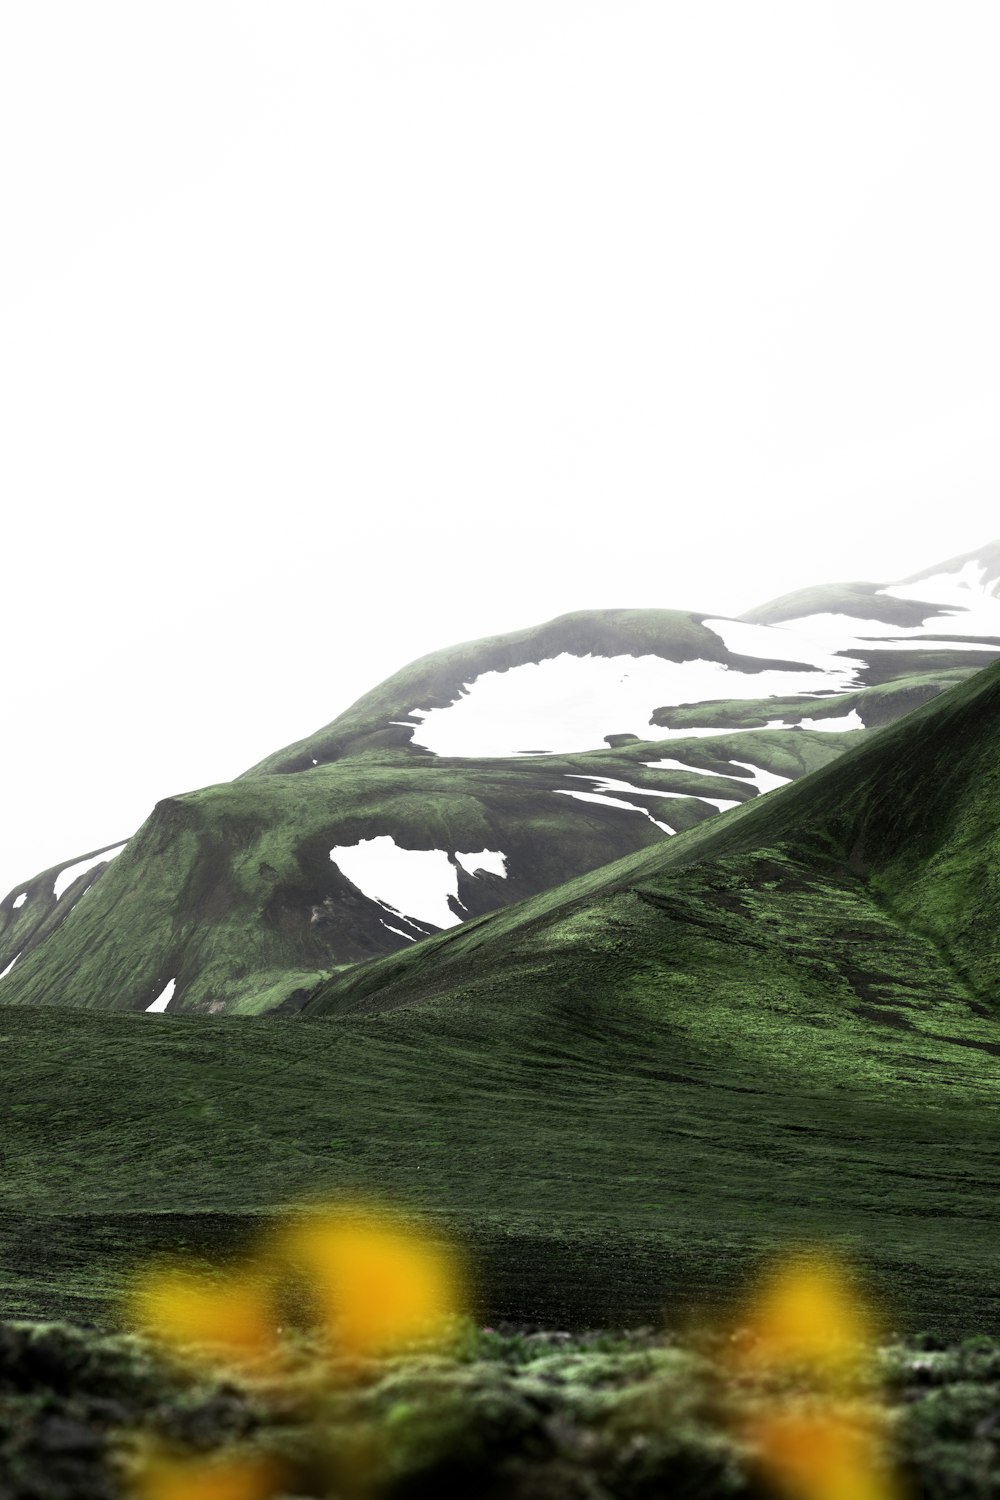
(608, 783)
(613, 802)
(491, 860)
(66, 877)
(20, 900)
(568, 703)
(844, 632)
(399, 931)
(164, 998)
(960, 589)
(764, 781)
(775, 643)
(415, 881)
(837, 725)
(10, 965)
(679, 765)
(835, 632)
(707, 730)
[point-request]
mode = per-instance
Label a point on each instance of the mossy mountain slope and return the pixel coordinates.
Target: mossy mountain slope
(901, 834)
(620, 1093)
(242, 896)
(232, 893)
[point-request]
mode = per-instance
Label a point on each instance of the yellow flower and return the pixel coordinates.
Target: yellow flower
(161, 1476)
(228, 1321)
(807, 1324)
(806, 1313)
(825, 1455)
(379, 1284)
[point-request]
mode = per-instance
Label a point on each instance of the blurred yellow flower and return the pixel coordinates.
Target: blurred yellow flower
(379, 1284)
(821, 1456)
(160, 1476)
(807, 1313)
(228, 1321)
(807, 1323)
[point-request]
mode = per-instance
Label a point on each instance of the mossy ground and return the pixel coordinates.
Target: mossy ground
(510, 1414)
(602, 1160)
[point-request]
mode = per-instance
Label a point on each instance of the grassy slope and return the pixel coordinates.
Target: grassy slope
(221, 888)
(619, 1092)
(909, 820)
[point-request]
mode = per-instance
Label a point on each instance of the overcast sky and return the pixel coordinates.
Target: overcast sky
(332, 333)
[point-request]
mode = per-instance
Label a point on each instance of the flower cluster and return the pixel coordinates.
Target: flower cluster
(370, 1283)
(810, 1409)
(798, 1389)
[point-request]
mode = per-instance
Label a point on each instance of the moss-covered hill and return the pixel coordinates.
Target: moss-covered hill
(231, 890)
(227, 899)
(866, 876)
(779, 1025)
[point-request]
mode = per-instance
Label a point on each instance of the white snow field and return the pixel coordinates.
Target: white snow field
(972, 609)
(20, 900)
(610, 784)
(617, 802)
(164, 998)
(570, 703)
(777, 643)
(10, 965)
(764, 781)
(487, 859)
(680, 765)
(415, 882)
(963, 589)
(66, 877)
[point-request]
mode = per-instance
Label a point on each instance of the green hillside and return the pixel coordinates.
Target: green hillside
(231, 890)
(899, 836)
(780, 1024)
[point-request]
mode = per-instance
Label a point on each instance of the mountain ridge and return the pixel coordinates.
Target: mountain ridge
(391, 823)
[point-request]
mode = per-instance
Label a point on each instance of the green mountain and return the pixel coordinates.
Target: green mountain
(779, 1024)
(479, 777)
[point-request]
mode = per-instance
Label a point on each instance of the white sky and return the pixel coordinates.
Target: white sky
(332, 333)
